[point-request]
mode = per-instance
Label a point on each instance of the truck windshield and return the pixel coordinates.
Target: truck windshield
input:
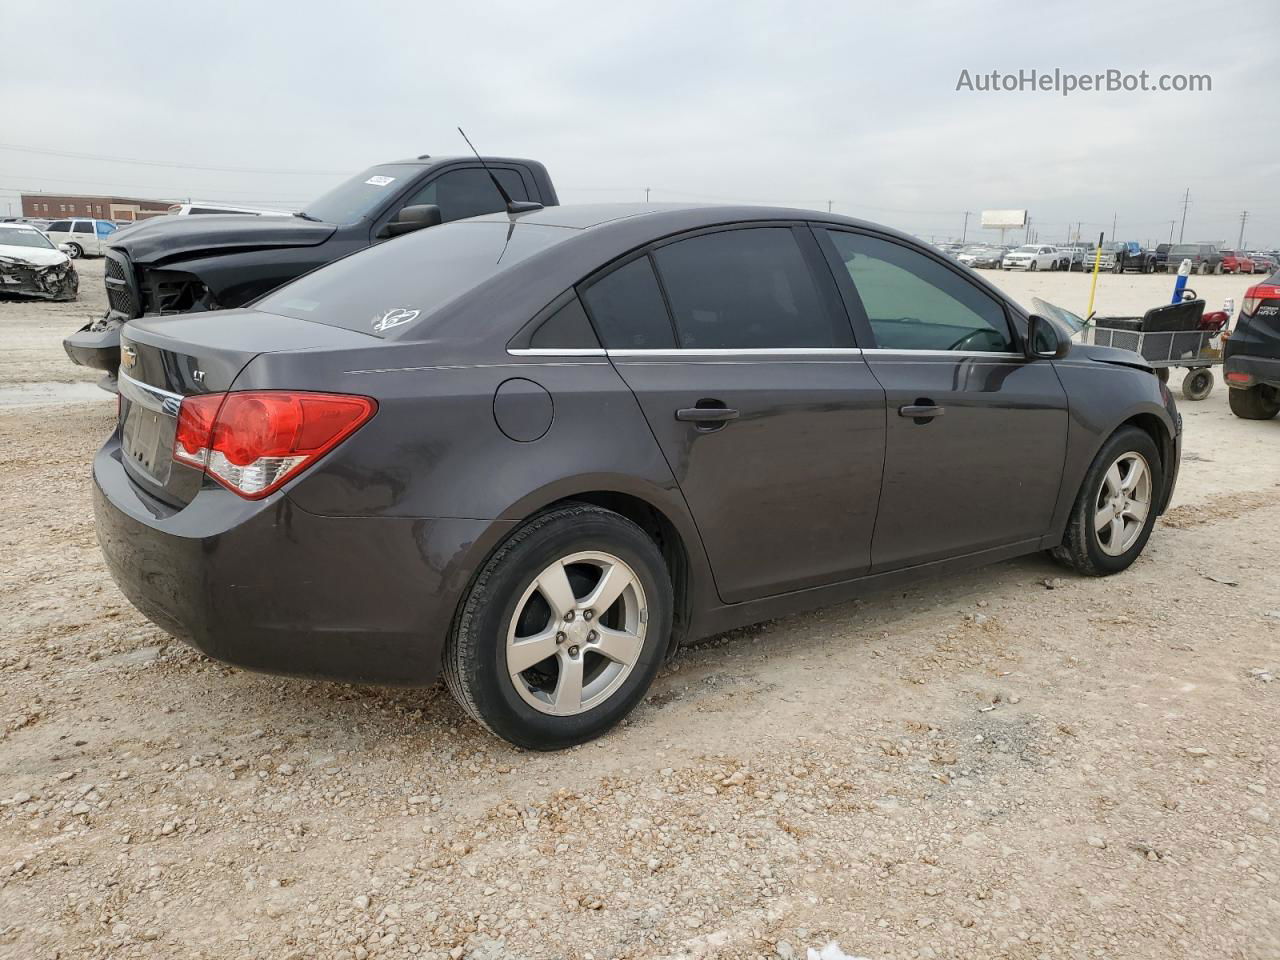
(384, 289)
(358, 197)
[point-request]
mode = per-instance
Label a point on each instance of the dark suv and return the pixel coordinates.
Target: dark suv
(1204, 257)
(1251, 365)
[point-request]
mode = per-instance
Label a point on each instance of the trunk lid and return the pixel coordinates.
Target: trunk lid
(1257, 331)
(166, 359)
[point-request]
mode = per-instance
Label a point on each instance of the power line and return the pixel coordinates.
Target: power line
(21, 148)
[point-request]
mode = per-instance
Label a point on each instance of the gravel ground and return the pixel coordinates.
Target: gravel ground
(1014, 762)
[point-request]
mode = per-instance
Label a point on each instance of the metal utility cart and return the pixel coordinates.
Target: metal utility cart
(1174, 335)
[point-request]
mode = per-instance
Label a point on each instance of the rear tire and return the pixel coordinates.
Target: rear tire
(1198, 383)
(547, 706)
(1093, 544)
(1256, 403)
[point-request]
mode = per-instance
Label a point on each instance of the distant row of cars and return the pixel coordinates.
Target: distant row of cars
(1118, 256)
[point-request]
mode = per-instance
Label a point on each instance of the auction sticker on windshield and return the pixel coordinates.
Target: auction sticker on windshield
(380, 181)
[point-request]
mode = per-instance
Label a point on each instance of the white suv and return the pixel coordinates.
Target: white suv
(82, 238)
(1032, 256)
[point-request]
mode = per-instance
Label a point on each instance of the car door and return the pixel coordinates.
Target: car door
(82, 233)
(976, 433)
(742, 358)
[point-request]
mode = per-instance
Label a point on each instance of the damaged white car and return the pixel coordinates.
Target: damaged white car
(31, 266)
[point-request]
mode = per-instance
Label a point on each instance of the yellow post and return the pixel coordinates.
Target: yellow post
(1093, 287)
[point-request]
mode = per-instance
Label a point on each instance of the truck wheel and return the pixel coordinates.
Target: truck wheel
(1151, 268)
(1116, 507)
(1198, 383)
(1256, 403)
(562, 630)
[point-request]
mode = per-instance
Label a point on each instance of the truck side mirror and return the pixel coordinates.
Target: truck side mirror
(1045, 341)
(413, 218)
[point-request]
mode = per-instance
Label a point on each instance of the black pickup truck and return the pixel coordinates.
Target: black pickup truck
(182, 264)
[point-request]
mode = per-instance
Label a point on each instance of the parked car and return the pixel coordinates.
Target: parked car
(1204, 257)
(554, 389)
(1123, 256)
(188, 209)
(1077, 256)
(175, 265)
(981, 255)
(1264, 263)
(1251, 356)
(32, 266)
(82, 237)
(1032, 256)
(1236, 262)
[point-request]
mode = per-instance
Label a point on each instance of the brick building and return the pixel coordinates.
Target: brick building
(52, 206)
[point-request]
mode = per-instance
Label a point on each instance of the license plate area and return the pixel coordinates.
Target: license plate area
(148, 422)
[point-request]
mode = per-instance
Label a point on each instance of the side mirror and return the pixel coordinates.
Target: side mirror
(1044, 340)
(413, 218)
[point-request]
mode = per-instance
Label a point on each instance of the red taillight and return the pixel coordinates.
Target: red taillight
(1239, 378)
(1254, 296)
(252, 442)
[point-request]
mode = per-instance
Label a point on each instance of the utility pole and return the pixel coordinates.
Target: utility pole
(965, 232)
(1186, 199)
(646, 194)
(1113, 226)
(1244, 216)
(1027, 238)
(1171, 226)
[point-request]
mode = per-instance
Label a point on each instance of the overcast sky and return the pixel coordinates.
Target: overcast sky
(793, 103)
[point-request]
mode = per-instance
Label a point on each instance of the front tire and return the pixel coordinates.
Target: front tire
(1255, 403)
(562, 630)
(1112, 518)
(1033, 266)
(75, 251)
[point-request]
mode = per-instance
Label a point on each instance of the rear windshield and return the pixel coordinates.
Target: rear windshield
(387, 288)
(1186, 249)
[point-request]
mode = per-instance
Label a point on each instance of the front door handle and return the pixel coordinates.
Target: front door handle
(708, 414)
(922, 411)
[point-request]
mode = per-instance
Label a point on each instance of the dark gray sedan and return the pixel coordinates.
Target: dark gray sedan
(536, 452)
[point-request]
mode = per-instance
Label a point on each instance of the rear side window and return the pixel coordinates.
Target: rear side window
(746, 289)
(469, 193)
(628, 309)
(915, 303)
(105, 229)
(82, 226)
(60, 227)
(567, 328)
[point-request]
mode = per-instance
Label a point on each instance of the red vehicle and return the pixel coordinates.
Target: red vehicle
(1236, 262)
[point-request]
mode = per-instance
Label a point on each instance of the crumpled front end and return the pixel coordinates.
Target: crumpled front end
(57, 281)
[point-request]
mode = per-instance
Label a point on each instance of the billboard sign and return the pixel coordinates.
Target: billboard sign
(1004, 219)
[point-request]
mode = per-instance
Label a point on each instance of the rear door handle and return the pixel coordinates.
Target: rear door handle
(709, 412)
(921, 411)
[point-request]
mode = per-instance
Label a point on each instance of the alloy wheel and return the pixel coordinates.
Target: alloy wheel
(1123, 503)
(576, 634)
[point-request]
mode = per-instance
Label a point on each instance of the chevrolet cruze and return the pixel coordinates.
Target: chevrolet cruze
(535, 452)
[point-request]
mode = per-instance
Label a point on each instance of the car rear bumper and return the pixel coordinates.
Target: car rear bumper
(1260, 370)
(268, 586)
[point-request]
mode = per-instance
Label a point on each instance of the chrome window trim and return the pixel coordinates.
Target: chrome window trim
(153, 398)
(556, 351)
(741, 352)
(992, 354)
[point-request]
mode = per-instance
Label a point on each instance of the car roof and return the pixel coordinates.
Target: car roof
(19, 226)
(660, 218)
